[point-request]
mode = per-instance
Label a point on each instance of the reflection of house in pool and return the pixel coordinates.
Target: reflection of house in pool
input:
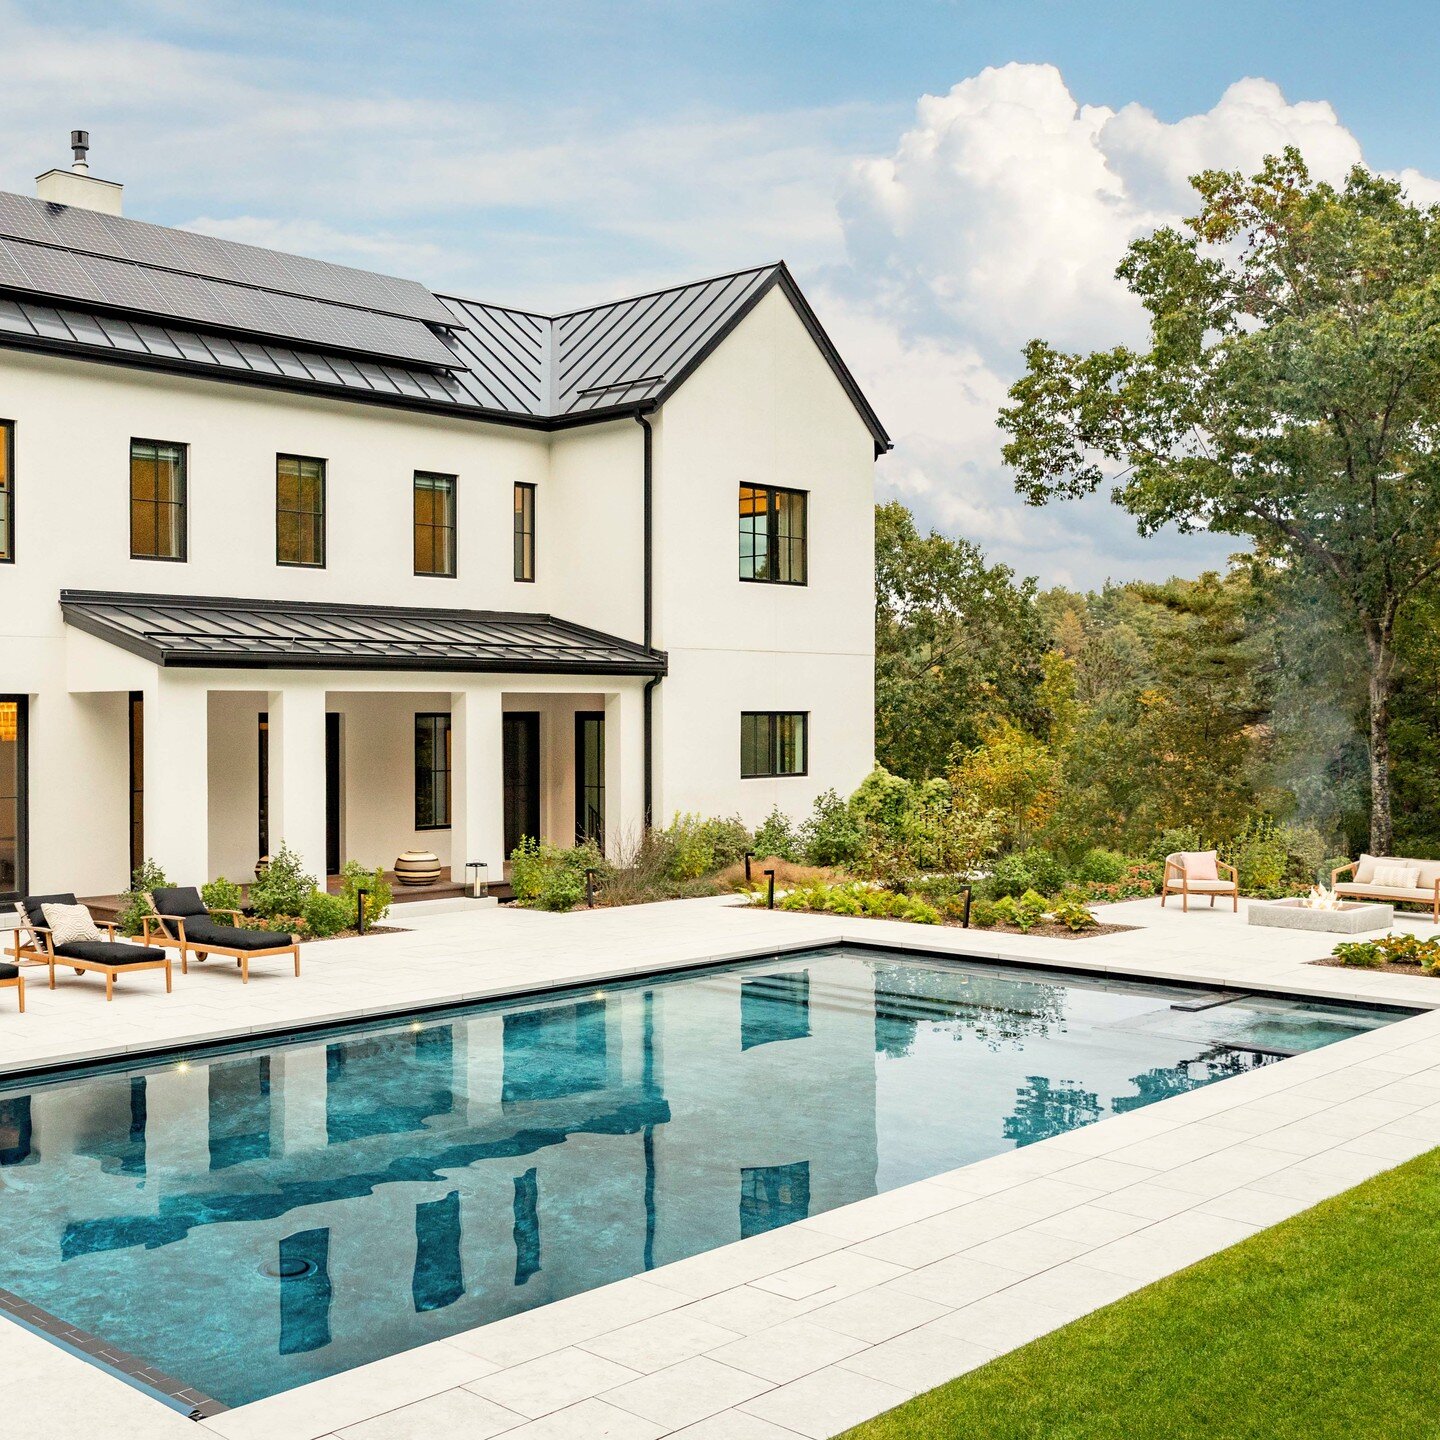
(373, 1193)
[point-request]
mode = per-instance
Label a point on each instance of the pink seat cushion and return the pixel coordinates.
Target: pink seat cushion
(1199, 864)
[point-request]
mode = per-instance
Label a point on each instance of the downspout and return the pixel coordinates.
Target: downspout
(642, 414)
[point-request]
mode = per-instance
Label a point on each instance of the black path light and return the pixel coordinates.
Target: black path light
(770, 894)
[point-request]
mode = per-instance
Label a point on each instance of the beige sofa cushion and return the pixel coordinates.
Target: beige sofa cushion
(1382, 892)
(1428, 871)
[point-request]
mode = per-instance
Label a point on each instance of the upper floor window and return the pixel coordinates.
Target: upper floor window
(434, 524)
(524, 531)
(772, 534)
(773, 743)
(7, 490)
(157, 500)
(299, 511)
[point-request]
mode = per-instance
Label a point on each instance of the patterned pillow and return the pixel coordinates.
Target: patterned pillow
(1392, 877)
(69, 923)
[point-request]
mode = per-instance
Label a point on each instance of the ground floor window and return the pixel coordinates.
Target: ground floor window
(773, 742)
(14, 807)
(590, 777)
(432, 772)
(137, 781)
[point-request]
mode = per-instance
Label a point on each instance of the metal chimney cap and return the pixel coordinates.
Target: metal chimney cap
(80, 144)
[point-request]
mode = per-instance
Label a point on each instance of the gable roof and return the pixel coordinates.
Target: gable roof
(123, 291)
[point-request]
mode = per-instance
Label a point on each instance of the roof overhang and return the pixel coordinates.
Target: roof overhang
(212, 632)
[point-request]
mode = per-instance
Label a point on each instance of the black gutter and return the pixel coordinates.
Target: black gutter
(642, 413)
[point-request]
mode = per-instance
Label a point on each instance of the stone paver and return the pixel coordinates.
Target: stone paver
(808, 1329)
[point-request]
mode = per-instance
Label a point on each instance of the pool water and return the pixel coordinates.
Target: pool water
(252, 1219)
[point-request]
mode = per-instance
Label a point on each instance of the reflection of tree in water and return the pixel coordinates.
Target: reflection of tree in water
(1217, 1064)
(989, 1008)
(1047, 1108)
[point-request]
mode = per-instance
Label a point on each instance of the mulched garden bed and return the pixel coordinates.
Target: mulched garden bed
(1051, 932)
(1413, 971)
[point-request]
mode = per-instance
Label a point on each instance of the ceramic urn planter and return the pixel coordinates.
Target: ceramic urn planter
(418, 867)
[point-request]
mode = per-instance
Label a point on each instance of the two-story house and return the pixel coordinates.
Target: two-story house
(295, 551)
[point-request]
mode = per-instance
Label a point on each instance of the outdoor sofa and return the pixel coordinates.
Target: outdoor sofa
(182, 920)
(12, 979)
(1373, 874)
(1198, 873)
(110, 957)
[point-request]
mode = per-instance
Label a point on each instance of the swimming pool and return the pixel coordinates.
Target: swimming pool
(247, 1220)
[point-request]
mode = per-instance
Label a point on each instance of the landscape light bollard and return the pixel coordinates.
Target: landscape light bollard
(360, 910)
(589, 889)
(770, 895)
(749, 856)
(477, 879)
(965, 918)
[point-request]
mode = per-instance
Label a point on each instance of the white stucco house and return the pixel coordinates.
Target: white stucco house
(295, 551)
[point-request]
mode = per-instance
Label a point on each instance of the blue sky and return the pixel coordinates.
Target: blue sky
(552, 153)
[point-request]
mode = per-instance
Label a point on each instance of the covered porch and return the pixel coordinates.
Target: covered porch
(358, 733)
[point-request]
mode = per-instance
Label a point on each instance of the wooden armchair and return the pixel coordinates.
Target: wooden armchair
(1181, 879)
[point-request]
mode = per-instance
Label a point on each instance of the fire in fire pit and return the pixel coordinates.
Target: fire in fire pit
(1320, 898)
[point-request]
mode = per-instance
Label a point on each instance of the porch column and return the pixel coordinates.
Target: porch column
(625, 770)
(297, 774)
(177, 780)
(477, 799)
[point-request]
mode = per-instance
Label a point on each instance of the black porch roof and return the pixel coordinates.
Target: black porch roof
(201, 631)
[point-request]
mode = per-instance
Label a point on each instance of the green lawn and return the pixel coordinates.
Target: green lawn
(1325, 1325)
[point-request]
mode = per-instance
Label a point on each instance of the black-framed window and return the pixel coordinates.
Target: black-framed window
(7, 491)
(300, 511)
(14, 796)
(137, 780)
(432, 771)
(157, 500)
(590, 776)
(774, 742)
(524, 531)
(773, 525)
(434, 524)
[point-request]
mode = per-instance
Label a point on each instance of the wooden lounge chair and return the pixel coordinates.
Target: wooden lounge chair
(11, 978)
(183, 921)
(33, 944)
(1199, 873)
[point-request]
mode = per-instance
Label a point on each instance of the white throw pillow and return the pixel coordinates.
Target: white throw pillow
(1392, 877)
(69, 923)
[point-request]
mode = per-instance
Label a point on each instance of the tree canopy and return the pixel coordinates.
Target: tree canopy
(1290, 392)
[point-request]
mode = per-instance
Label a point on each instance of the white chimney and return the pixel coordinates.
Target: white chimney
(77, 186)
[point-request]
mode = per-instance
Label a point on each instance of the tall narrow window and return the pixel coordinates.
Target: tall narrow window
(524, 531)
(439, 1276)
(299, 511)
(772, 535)
(432, 772)
(157, 500)
(434, 524)
(590, 776)
(7, 490)
(773, 743)
(14, 808)
(263, 809)
(137, 780)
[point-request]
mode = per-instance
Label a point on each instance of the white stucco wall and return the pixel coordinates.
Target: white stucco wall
(764, 407)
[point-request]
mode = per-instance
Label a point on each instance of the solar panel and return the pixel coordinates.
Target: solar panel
(72, 227)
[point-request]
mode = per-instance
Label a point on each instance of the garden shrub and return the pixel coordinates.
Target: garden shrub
(283, 887)
(832, 835)
(222, 894)
(692, 846)
(1260, 852)
(1400, 948)
(855, 897)
(1022, 870)
(1073, 915)
(546, 877)
(982, 913)
(777, 836)
(1175, 841)
(355, 877)
(1101, 867)
(133, 904)
(326, 914)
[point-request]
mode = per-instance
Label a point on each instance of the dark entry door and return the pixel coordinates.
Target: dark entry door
(332, 794)
(590, 776)
(521, 746)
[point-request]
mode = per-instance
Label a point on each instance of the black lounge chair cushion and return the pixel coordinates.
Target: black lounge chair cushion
(207, 932)
(9, 972)
(101, 952)
(32, 906)
(181, 900)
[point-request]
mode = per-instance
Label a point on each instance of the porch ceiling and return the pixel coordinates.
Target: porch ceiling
(212, 632)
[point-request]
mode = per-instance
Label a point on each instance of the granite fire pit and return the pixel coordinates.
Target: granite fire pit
(1348, 918)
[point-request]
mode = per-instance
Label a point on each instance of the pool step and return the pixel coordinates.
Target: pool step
(1209, 999)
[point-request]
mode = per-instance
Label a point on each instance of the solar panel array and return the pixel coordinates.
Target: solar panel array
(199, 632)
(68, 253)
